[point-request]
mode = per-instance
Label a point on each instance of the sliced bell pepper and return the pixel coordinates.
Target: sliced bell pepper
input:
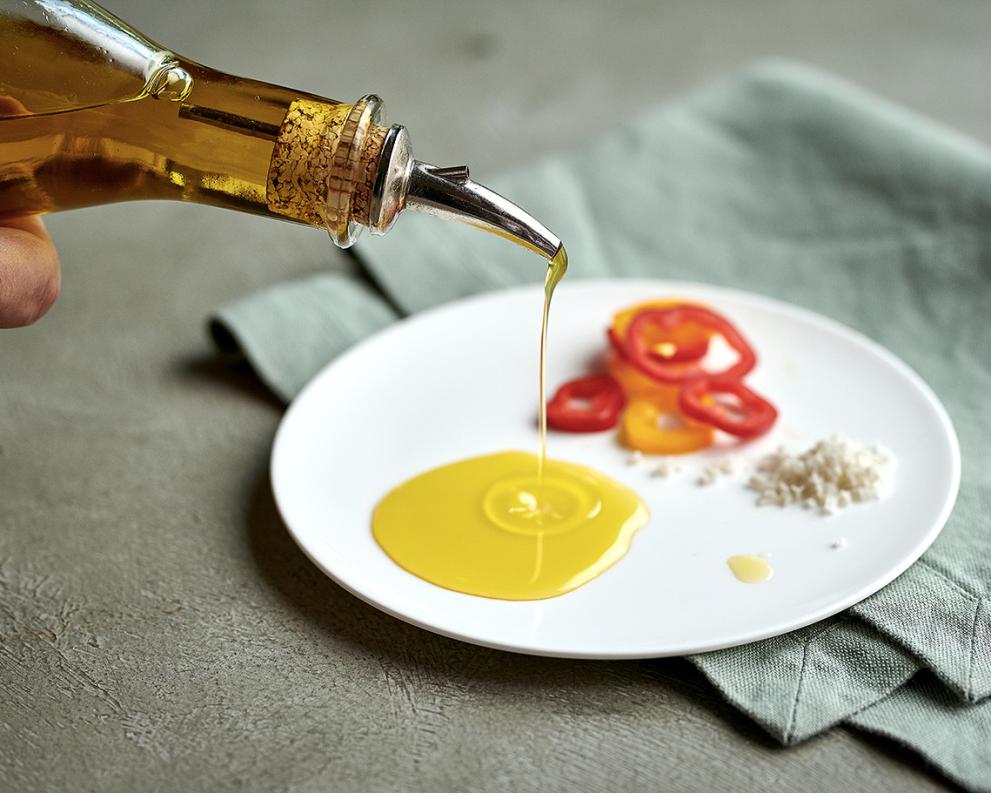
(636, 384)
(638, 344)
(688, 342)
(745, 415)
(586, 404)
(644, 430)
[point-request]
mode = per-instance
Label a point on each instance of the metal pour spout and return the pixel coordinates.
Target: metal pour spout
(405, 183)
(450, 193)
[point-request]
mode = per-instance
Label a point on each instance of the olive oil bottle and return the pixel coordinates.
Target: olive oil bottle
(93, 112)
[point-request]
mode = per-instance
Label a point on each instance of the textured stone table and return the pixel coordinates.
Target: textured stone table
(158, 628)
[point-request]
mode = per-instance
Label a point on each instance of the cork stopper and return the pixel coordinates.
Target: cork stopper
(299, 171)
(371, 154)
(324, 164)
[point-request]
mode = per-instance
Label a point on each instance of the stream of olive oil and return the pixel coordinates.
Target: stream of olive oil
(557, 266)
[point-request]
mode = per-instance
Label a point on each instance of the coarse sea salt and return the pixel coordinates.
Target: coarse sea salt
(833, 474)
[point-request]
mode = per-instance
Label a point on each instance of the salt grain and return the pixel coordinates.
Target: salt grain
(665, 468)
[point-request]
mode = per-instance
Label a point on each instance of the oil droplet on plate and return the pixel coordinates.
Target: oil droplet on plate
(750, 569)
(490, 526)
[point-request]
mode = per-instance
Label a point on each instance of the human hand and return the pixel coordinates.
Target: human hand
(29, 271)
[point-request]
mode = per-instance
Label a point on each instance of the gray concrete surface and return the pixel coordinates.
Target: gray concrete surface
(159, 630)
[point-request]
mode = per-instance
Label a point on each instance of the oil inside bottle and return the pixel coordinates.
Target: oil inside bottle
(117, 118)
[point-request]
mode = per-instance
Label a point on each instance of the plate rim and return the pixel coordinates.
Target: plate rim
(753, 298)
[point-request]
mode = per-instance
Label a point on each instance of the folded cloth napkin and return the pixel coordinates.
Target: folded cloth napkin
(788, 182)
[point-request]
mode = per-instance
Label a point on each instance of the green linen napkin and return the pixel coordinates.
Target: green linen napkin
(783, 181)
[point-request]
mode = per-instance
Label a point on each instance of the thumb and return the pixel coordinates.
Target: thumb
(29, 271)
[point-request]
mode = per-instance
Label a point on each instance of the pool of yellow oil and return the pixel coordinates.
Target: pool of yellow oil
(511, 525)
(493, 526)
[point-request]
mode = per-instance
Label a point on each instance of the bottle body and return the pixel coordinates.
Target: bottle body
(93, 113)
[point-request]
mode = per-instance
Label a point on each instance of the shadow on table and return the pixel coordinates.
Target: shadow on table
(414, 654)
(231, 373)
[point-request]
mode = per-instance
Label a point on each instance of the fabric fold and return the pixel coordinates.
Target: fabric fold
(927, 718)
(799, 684)
(946, 626)
(290, 331)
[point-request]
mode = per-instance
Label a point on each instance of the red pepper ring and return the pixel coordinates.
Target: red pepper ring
(683, 351)
(750, 417)
(586, 404)
(639, 353)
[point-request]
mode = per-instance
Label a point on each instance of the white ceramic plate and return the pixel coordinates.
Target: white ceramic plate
(460, 381)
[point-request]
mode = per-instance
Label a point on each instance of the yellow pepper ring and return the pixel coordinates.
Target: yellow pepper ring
(636, 384)
(643, 432)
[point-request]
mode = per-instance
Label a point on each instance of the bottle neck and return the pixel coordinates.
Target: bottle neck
(324, 164)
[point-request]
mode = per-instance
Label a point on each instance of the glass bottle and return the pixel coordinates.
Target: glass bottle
(93, 112)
